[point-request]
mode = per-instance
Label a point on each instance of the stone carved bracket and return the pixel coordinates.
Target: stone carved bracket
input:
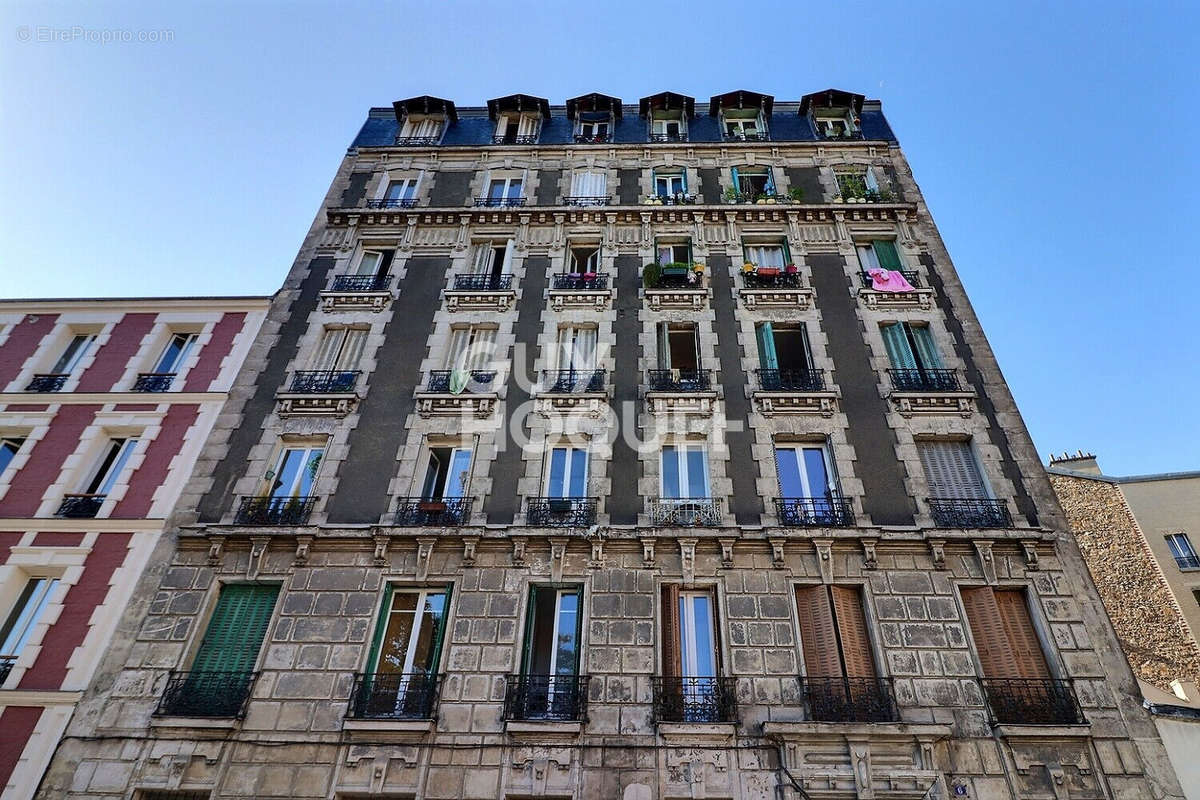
(457, 300)
(869, 559)
(468, 556)
(987, 561)
(824, 548)
(563, 300)
(648, 552)
(937, 551)
(677, 299)
(687, 403)
(726, 551)
(687, 557)
(258, 549)
(303, 543)
(518, 551)
(558, 557)
(777, 552)
(216, 549)
(481, 405)
(424, 555)
(909, 404)
(596, 561)
(1029, 548)
(796, 299)
(355, 301)
(381, 549)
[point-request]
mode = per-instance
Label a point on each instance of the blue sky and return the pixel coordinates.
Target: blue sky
(1053, 143)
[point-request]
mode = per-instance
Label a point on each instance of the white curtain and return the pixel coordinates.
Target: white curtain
(589, 184)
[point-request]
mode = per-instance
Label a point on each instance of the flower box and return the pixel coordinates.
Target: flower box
(431, 505)
(768, 272)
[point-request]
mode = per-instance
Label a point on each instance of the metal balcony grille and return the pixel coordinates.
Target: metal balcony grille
(361, 283)
(153, 381)
(668, 137)
(754, 197)
(561, 698)
(528, 139)
(849, 699)
(586, 200)
(393, 202)
(782, 280)
(206, 694)
(483, 283)
(680, 380)
(275, 510)
(480, 381)
(1031, 701)
(1187, 562)
(909, 275)
(791, 380)
(52, 382)
(925, 380)
(685, 512)
(324, 381)
(418, 512)
(561, 512)
(969, 512)
(500, 202)
(844, 136)
(759, 136)
(677, 199)
(80, 506)
(417, 141)
(695, 699)
(814, 512)
(569, 381)
(580, 281)
(6, 666)
(599, 138)
(394, 695)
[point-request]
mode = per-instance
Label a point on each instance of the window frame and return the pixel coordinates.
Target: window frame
(682, 449)
(105, 472)
(528, 640)
(1172, 540)
(973, 453)
(185, 352)
(69, 360)
(25, 614)
(6, 440)
(571, 453)
(833, 488)
(375, 651)
(423, 480)
(306, 447)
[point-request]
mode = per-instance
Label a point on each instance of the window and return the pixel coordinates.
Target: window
(550, 663)
(589, 184)
(835, 123)
(339, 349)
(116, 456)
(1182, 550)
(805, 471)
(684, 472)
(21, 620)
(753, 181)
(470, 347)
(678, 347)
(517, 129)
(420, 127)
(400, 192)
(447, 473)
(783, 349)
(951, 470)
(910, 347)
(176, 353)
(295, 472)
(567, 473)
(594, 130)
(75, 351)
(858, 184)
(577, 348)
(668, 126)
(374, 262)
(669, 183)
(743, 125)
(833, 632)
(585, 258)
(9, 447)
(493, 258)
(879, 254)
(1005, 639)
(402, 667)
(504, 189)
(767, 255)
(692, 691)
(673, 252)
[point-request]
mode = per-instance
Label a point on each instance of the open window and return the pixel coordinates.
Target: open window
(752, 183)
(678, 347)
(374, 263)
(585, 259)
(916, 364)
(172, 358)
(1181, 549)
(447, 473)
(670, 183)
(809, 493)
(490, 268)
(691, 689)
(471, 347)
(9, 447)
(340, 349)
(668, 126)
(22, 619)
(785, 358)
(862, 184)
(108, 469)
(295, 472)
(879, 254)
(401, 678)
(549, 686)
(593, 128)
(517, 128)
(673, 253)
(744, 125)
(424, 127)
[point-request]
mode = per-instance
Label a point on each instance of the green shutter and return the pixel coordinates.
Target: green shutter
(885, 251)
(440, 636)
(926, 350)
(787, 252)
(238, 626)
(380, 627)
(899, 352)
(653, 179)
(737, 184)
(527, 650)
(766, 347)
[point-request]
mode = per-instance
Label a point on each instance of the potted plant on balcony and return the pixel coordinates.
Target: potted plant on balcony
(730, 194)
(791, 269)
(651, 275)
(796, 194)
(747, 268)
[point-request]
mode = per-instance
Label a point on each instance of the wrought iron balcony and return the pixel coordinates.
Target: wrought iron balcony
(791, 380)
(483, 283)
(680, 380)
(394, 695)
(849, 699)
(599, 138)
(275, 510)
(767, 198)
(586, 200)
(814, 512)
(417, 141)
(913, 277)
(323, 381)
(420, 512)
(677, 199)
(153, 381)
(525, 139)
(1187, 562)
(695, 699)
(756, 136)
(668, 137)
(580, 281)
(969, 512)
(361, 283)
(1032, 701)
(80, 506)
(478, 381)
(6, 665)
(551, 698)
(571, 381)
(678, 276)
(925, 380)
(206, 694)
(393, 202)
(843, 136)
(49, 382)
(500, 202)
(685, 512)
(561, 512)
(771, 278)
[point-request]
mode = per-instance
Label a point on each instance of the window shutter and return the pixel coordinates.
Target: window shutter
(766, 347)
(951, 471)
(506, 267)
(987, 627)
(440, 635)
(683, 179)
(1022, 639)
(380, 628)
(530, 614)
(926, 350)
(872, 184)
(671, 666)
(885, 251)
(386, 266)
(817, 634)
(737, 184)
(852, 627)
(664, 347)
(237, 628)
(483, 253)
(899, 352)
(787, 253)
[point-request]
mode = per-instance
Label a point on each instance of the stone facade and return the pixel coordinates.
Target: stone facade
(300, 735)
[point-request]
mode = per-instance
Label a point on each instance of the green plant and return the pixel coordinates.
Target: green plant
(886, 195)
(651, 274)
(731, 194)
(796, 193)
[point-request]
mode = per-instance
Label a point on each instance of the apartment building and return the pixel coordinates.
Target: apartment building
(607, 450)
(104, 408)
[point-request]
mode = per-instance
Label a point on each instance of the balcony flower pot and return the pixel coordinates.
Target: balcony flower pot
(747, 268)
(431, 505)
(791, 269)
(838, 199)
(560, 506)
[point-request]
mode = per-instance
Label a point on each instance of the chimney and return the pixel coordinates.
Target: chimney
(1081, 462)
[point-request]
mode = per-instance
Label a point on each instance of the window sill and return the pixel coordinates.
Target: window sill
(867, 730)
(536, 728)
(479, 299)
(1050, 732)
(216, 724)
(691, 731)
(394, 729)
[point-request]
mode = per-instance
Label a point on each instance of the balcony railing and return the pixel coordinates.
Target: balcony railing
(393, 695)
(50, 382)
(678, 275)
(586, 200)
(668, 137)
(843, 136)
(1187, 562)
(925, 380)
(580, 281)
(814, 512)
(483, 283)
(969, 512)
(771, 279)
(361, 283)
(561, 512)
(911, 276)
(153, 381)
(570, 381)
(849, 699)
(478, 380)
(393, 202)
(791, 380)
(324, 381)
(80, 506)
(275, 510)
(1032, 701)
(695, 699)
(419, 512)
(677, 199)
(500, 202)
(755, 136)
(417, 141)
(680, 380)
(6, 666)
(553, 698)
(767, 198)
(206, 694)
(599, 138)
(525, 139)
(685, 512)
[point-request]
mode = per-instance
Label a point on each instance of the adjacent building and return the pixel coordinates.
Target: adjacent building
(608, 450)
(104, 408)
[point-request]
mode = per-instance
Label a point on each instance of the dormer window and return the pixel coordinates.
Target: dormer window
(667, 114)
(517, 129)
(421, 129)
(743, 126)
(668, 126)
(423, 120)
(836, 123)
(834, 114)
(594, 117)
(595, 131)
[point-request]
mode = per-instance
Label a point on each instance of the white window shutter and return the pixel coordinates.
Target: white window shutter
(327, 349)
(872, 184)
(951, 470)
(352, 350)
(506, 267)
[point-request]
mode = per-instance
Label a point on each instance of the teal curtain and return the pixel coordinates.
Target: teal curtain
(767, 358)
(683, 174)
(885, 251)
(926, 350)
(737, 184)
(770, 181)
(899, 352)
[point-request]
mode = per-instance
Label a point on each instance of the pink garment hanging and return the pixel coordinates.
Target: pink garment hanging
(889, 280)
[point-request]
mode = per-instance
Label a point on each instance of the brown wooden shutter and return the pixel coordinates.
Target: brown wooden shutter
(817, 634)
(852, 626)
(672, 661)
(1022, 638)
(987, 627)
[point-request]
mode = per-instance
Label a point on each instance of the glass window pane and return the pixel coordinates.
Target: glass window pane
(670, 472)
(496, 190)
(393, 650)
(514, 188)
(118, 465)
(578, 486)
(8, 450)
(430, 624)
(814, 468)
(790, 482)
(558, 471)
(568, 615)
(285, 475)
(697, 480)
(697, 627)
(309, 475)
(460, 474)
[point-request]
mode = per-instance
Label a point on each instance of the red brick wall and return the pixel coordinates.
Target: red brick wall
(22, 341)
(45, 462)
(18, 723)
(8, 540)
(208, 367)
(153, 471)
(58, 539)
(111, 360)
